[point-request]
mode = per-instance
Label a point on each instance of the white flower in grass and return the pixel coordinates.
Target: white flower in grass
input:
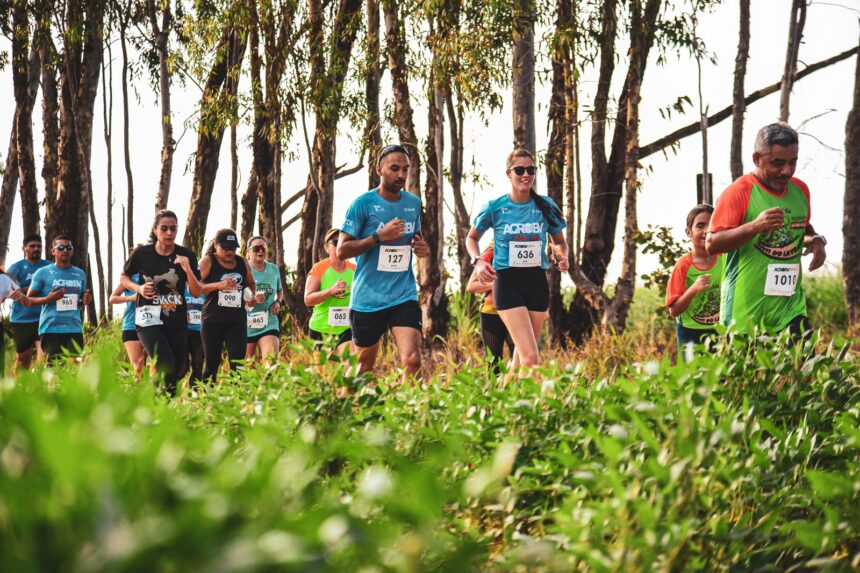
(375, 483)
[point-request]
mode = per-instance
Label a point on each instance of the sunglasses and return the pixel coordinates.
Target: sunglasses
(520, 170)
(166, 229)
(259, 248)
(389, 149)
(62, 248)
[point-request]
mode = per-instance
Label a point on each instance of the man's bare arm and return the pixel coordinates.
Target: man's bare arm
(728, 240)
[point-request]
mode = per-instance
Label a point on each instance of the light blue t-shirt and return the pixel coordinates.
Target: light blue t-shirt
(62, 316)
(374, 289)
(520, 223)
(195, 309)
(23, 272)
(130, 307)
(269, 282)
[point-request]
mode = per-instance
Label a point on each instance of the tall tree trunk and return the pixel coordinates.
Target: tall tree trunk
(851, 209)
(796, 22)
(107, 120)
(555, 155)
(7, 194)
(523, 74)
(230, 52)
(372, 131)
(249, 208)
(79, 77)
(234, 179)
(25, 80)
(50, 131)
(129, 179)
(160, 37)
(738, 106)
(394, 37)
(328, 75)
(455, 168)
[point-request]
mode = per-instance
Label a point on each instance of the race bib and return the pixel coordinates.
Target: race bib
(229, 298)
(781, 279)
(338, 316)
(258, 320)
(67, 303)
(194, 316)
(147, 315)
(524, 253)
(394, 259)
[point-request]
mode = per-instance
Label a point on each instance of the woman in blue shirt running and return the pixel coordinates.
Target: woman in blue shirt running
(521, 221)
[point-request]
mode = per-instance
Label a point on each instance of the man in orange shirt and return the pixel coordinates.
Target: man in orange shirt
(761, 221)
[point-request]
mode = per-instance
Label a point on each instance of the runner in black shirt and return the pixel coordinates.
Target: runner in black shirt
(225, 275)
(160, 318)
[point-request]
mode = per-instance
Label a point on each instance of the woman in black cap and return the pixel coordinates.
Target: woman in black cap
(225, 276)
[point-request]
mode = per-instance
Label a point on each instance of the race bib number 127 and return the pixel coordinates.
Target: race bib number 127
(394, 259)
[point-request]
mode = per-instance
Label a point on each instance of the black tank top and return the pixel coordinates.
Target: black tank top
(225, 306)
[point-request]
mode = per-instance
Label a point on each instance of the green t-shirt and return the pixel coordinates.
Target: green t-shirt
(260, 318)
(704, 310)
(763, 281)
(331, 316)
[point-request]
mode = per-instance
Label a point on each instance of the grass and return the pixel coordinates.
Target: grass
(611, 459)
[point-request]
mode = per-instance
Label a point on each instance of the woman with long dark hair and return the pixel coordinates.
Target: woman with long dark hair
(521, 221)
(164, 268)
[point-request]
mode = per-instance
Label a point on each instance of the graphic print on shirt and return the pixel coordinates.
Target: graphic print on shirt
(166, 295)
(779, 243)
(707, 306)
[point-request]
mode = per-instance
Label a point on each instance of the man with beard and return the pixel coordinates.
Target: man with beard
(382, 231)
(61, 290)
(762, 222)
(25, 320)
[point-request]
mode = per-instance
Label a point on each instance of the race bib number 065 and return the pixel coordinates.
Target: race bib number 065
(781, 279)
(394, 259)
(524, 253)
(338, 316)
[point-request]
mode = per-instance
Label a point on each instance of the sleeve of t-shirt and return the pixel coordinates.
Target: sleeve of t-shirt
(353, 221)
(731, 208)
(277, 280)
(562, 225)
(805, 190)
(318, 271)
(13, 272)
(677, 282)
(192, 261)
(7, 286)
(484, 219)
(131, 266)
(83, 282)
(38, 283)
(488, 255)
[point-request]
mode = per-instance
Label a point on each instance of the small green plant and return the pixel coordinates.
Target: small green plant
(659, 240)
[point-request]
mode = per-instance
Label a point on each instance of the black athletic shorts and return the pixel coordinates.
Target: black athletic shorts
(344, 336)
(54, 343)
(368, 327)
(130, 336)
(25, 335)
(515, 287)
(256, 338)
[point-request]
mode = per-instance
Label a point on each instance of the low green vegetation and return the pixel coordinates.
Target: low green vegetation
(747, 459)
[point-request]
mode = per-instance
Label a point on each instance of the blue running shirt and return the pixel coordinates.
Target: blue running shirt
(517, 228)
(130, 306)
(23, 272)
(195, 309)
(61, 316)
(374, 288)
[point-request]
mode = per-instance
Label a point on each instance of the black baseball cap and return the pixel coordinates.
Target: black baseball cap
(226, 239)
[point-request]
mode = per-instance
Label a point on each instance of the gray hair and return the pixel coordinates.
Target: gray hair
(774, 134)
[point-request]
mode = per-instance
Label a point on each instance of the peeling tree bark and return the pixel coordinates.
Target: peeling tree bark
(796, 22)
(372, 78)
(736, 162)
(160, 38)
(851, 209)
(523, 74)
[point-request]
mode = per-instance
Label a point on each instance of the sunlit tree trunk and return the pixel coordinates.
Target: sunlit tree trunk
(107, 118)
(796, 22)
(160, 37)
(851, 208)
(523, 74)
(372, 131)
(738, 106)
(129, 179)
(50, 131)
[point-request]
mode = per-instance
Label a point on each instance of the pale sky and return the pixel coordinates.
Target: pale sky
(819, 109)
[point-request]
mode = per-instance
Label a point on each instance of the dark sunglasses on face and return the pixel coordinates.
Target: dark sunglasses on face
(389, 149)
(62, 248)
(259, 248)
(166, 229)
(520, 170)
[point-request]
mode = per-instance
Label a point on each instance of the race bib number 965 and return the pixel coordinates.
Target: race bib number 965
(524, 253)
(67, 303)
(394, 259)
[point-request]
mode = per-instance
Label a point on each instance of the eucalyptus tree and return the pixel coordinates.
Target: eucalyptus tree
(160, 18)
(851, 210)
(736, 162)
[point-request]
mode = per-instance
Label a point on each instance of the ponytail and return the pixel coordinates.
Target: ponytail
(549, 210)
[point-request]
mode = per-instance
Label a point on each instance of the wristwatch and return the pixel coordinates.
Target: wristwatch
(376, 238)
(473, 260)
(823, 240)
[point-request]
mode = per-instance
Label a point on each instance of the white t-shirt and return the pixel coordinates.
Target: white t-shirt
(7, 287)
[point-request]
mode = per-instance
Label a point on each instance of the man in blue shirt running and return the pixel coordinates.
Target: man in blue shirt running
(25, 320)
(61, 290)
(382, 231)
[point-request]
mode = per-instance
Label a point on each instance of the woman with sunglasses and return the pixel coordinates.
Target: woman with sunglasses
(327, 290)
(225, 275)
(263, 324)
(164, 269)
(520, 221)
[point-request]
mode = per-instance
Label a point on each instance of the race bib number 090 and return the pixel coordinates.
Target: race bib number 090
(67, 303)
(338, 316)
(781, 279)
(394, 259)
(524, 253)
(229, 298)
